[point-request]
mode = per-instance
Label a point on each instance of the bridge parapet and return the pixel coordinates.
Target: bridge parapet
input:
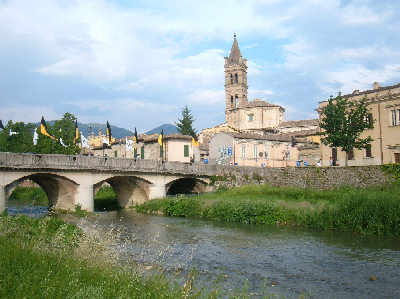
(80, 162)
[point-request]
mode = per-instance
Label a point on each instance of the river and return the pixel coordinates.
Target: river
(283, 260)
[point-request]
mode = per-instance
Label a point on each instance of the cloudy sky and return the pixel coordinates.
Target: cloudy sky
(138, 63)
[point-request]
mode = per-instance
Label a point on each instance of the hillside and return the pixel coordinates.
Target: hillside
(168, 129)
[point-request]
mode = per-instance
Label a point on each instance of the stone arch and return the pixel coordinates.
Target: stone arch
(60, 191)
(188, 185)
(130, 190)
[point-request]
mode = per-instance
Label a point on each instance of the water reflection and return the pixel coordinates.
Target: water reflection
(292, 260)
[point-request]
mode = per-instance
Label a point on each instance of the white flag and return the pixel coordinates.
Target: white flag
(106, 141)
(62, 143)
(85, 142)
(129, 144)
(35, 137)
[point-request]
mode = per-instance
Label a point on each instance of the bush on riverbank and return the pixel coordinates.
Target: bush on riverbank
(105, 199)
(34, 194)
(370, 211)
(47, 258)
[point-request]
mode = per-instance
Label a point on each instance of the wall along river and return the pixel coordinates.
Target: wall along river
(283, 260)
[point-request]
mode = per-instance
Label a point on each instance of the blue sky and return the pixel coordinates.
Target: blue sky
(138, 63)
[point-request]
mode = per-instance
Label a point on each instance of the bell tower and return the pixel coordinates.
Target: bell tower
(235, 82)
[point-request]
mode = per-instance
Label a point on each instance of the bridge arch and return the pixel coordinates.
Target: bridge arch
(187, 185)
(130, 190)
(60, 190)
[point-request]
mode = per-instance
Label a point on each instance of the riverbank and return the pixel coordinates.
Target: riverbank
(48, 258)
(366, 211)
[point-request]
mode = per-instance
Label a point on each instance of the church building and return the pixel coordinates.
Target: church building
(256, 125)
(241, 114)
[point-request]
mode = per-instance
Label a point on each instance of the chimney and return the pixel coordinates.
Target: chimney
(99, 132)
(376, 85)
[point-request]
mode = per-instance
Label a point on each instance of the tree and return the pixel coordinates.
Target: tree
(343, 122)
(64, 129)
(185, 124)
(22, 140)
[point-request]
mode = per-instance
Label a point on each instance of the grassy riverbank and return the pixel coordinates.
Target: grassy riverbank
(367, 211)
(47, 258)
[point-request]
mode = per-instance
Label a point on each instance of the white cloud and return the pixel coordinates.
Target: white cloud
(358, 77)
(165, 54)
(18, 113)
(206, 97)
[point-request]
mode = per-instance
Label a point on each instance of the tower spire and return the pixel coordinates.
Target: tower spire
(235, 52)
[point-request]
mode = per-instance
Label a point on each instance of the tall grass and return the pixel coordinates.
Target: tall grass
(47, 258)
(368, 211)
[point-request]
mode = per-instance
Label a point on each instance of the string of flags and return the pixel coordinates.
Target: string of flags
(107, 139)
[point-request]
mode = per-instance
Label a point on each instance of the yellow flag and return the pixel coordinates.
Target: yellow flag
(161, 138)
(43, 129)
(195, 141)
(76, 131)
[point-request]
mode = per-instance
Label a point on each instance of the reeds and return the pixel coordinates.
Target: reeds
(47, 258)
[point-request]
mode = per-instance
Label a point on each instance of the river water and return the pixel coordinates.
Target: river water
(287, 261)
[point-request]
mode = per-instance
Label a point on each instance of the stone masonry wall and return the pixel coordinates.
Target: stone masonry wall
(303, 177)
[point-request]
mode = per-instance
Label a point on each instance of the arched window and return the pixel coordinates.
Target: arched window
(236, 101)
(231, 101)
(236, 78)
(231, 79)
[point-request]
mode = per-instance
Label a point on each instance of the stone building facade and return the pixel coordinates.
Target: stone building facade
(254, 126)
(384, 109)
(239, 113)
(177, 148)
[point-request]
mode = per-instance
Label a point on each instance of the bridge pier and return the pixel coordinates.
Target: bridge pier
(157, 191)
(84, 197)
(3, 197)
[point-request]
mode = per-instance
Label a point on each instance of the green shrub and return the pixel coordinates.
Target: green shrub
(106, 199)
(35, 194)
(393, 169)
(367, 211)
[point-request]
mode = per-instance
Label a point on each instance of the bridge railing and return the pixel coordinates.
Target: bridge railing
(46, 161)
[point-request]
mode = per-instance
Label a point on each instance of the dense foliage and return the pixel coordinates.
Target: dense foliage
(392, 169)
(34, 194)
(105, 198)
(22, 140)
(343, 122)
(185, 124)
(369, 211)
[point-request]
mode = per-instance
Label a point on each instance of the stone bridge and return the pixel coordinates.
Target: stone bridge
(74, 180)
